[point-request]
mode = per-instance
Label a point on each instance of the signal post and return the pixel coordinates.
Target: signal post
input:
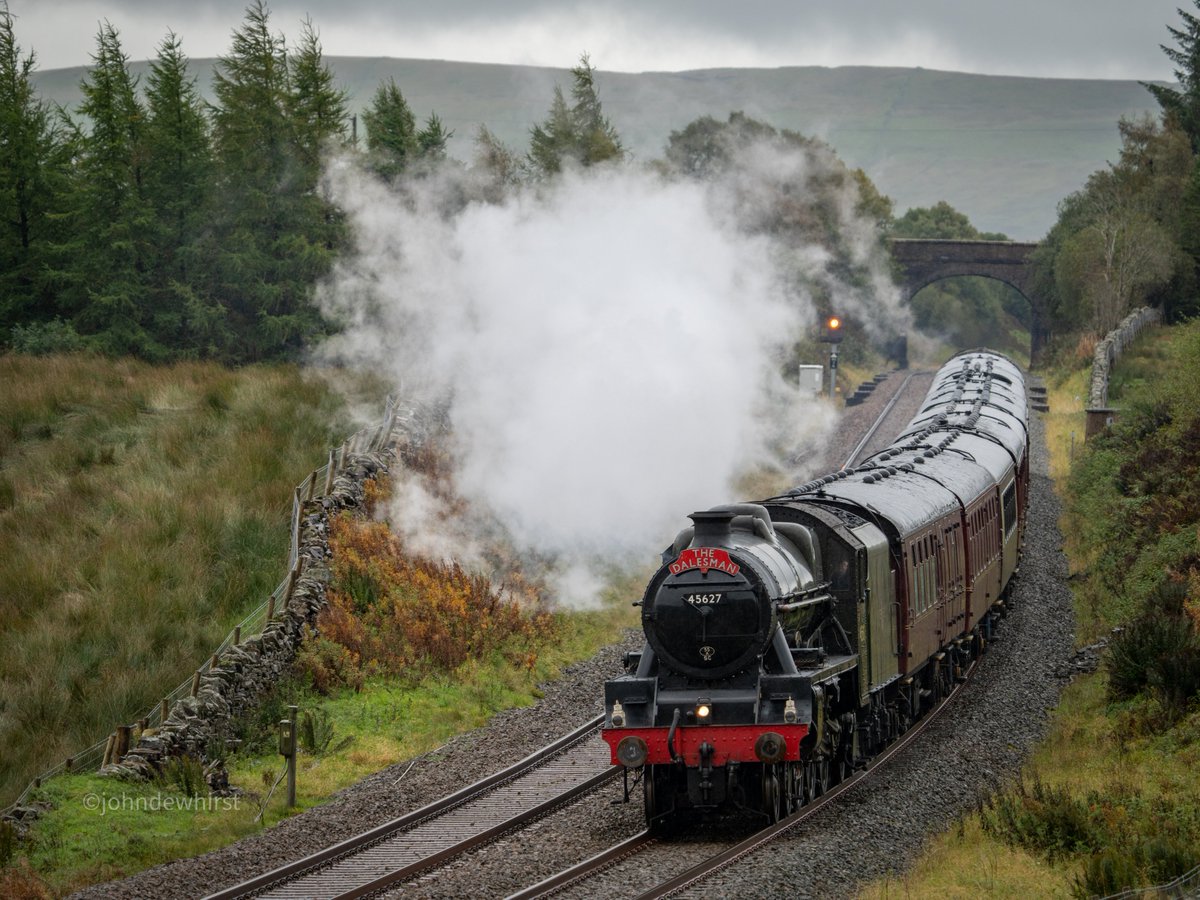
(831, 334)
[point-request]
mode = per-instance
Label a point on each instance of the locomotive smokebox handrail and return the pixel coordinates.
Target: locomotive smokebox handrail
(804, 604)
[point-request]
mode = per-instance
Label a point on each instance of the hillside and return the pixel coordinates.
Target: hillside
(1003, 150)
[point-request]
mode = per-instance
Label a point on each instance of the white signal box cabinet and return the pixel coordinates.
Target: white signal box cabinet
(811, 378)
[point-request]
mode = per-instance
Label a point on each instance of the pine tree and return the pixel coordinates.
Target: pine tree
(30, 143)
(597, 139)
(178, 187)
(432, 139)
(554, 139)
(391, 131)
(1183, 105)
(112, 221)
(273, 234)
(318, 108)
(579, 133)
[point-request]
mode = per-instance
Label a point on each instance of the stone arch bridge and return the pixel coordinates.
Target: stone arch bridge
(922, 262)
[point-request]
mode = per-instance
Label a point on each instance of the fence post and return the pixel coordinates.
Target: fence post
(293, 576)
(122, 745)
(328, 476)
(108, 752)
(270, 609)
(163, 711)
(237, 635)
(196, 683)
(312, 484)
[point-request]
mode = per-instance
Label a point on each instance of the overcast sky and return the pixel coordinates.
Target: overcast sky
(1045, 38)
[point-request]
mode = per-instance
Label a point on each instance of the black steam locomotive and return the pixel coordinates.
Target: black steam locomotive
(788, 641)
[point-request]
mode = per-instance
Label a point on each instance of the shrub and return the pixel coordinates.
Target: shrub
(20, 882)
(184, 774)
(1041, 818)
(329, 664)
(315, 734)
(1150, 861)
(45, 338)
(1158, 652)
(395, 613)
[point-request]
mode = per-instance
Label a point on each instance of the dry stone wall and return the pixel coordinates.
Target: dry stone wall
(1111, 348)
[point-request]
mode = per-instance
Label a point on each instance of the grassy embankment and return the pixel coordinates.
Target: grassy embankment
(144, 510)
(1109, 799)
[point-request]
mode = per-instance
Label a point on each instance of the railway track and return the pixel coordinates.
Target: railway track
(433, 835)
(870, 441)
(577, 876)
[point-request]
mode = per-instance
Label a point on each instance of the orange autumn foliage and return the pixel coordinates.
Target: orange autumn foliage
(393, 613)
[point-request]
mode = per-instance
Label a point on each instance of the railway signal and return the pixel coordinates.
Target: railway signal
(831, 334)
(831, 330)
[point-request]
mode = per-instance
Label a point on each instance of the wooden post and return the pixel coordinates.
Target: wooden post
(122, 746)
(270, 607)
(144, 723)
(196, 683)
(312, 486)
(237, 635)
(69, 763)
(341, 463)
(328, 476)
(293, 576)
(108, 752)
(163, 710)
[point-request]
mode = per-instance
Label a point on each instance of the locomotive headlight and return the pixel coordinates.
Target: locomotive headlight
(789, 711)
(618, 714)
(632, 752)
(703, 710)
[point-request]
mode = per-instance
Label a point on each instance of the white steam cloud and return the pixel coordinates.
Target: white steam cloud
(608, 347)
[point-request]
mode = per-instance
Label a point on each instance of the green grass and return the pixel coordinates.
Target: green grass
(143, 511)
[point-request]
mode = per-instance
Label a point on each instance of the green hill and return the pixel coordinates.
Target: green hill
(1003, 150)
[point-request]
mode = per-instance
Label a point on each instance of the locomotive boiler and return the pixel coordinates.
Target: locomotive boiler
(789, 640)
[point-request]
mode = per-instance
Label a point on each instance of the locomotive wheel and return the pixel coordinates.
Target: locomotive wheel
(793, 786)
(772, 794)
(823, 776)
(656, 792)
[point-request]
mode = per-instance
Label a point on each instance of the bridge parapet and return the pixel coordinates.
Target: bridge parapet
(923, 261)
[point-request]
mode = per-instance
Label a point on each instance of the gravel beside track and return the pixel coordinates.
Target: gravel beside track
(877, 828)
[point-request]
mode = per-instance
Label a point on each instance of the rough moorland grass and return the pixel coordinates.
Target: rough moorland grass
(142, 510)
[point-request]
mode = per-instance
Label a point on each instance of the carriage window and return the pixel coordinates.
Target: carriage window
(1010, 508)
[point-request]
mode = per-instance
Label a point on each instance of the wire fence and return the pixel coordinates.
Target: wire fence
(317, 484)
(1185, 886)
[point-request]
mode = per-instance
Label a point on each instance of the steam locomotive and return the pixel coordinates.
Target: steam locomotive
(789, 640)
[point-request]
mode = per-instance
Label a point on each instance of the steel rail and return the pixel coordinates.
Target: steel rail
(352, 846)
(879, 421)
(589, 867)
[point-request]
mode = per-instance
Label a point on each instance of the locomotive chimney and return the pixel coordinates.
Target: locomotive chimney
(713, 527)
